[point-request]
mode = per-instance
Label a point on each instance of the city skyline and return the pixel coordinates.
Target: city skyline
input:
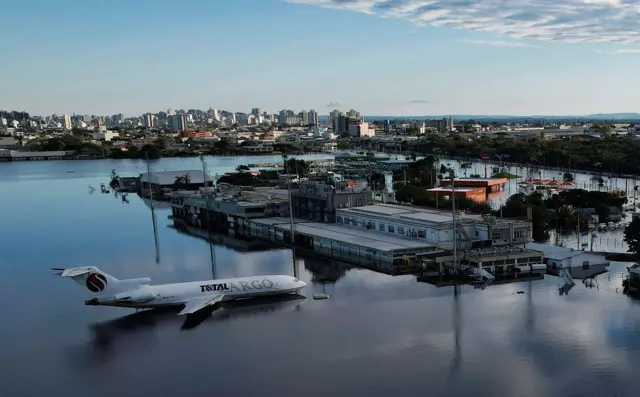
(380, 57)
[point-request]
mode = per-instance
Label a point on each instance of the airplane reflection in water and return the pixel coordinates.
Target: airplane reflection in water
(133, 331)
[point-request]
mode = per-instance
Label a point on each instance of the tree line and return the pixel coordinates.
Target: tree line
(608, 154)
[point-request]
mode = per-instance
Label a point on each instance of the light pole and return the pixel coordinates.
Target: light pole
(206, 198)
(452, 174)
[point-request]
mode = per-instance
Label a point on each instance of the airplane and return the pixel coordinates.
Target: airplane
(138, 293)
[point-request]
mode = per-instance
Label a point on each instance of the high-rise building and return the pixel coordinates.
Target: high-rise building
(313, 117)
(242, 118)
(304, 117)
(178, 122)
(148, 120)
(256, 111)
(214, 114)
(353, 114)
(66, 122)
(333, 117)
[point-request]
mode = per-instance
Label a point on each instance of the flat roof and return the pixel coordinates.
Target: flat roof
(456, 188)
(559, 253)
(488, 181)
(478, 179)
(399, 213)
(500, 252)
(382, 209)
(423, 216)
(347, 235)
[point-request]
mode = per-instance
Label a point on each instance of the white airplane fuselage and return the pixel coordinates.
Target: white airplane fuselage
(144, 296)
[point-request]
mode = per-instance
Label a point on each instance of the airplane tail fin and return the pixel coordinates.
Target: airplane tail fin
(89, 277)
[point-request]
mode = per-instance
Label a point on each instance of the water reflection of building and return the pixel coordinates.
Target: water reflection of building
(585, 272)
(325, 271)
(157, 205)
(239, 244)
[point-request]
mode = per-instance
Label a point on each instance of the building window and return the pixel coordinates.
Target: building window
(497, 235)
(358, 202)
(477, 233)
(519, 233)
(422, 233)
(338, 219)
(391, 229)
(400, 230)
(381, 227)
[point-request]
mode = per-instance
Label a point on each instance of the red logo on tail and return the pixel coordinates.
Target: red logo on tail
(96, 282)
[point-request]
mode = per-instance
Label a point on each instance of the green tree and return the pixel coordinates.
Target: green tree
(183, 180)
(151, 150)
(632, 236)
(568, 177)
(298, 167)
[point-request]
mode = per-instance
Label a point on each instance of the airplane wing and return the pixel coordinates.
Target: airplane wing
(199, 304)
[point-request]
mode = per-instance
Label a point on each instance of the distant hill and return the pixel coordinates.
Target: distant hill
(511, 118)
(615, 116)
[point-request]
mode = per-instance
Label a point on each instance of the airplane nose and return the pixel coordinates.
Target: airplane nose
(302, 284)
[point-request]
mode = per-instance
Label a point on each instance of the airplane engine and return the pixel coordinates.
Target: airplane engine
(136, 296)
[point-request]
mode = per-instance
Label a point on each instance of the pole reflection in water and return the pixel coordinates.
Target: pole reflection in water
(457, 329)
(530, 312)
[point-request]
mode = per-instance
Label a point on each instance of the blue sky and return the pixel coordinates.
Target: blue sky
(381, 57)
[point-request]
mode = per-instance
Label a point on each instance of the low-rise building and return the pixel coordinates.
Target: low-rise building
(106, 136)
(164, 182)
(320, 201)
(436, 227)
(471, 193)
(563, 258)
(9, 143)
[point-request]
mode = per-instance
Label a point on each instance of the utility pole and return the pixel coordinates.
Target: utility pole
(293, 247)
(579, 234)
(206, 197)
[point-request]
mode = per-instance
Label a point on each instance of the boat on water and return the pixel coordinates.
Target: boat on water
(631, 283)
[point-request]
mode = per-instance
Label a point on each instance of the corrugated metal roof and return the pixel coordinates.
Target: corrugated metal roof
(561, 253)
(347, 235)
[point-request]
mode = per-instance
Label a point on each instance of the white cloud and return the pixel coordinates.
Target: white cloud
(620, 51)
(499, 43)
(571, 21)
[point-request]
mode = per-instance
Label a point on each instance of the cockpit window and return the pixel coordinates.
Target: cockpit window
(295, 280)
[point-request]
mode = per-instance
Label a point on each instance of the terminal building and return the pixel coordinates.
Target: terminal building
(391, 238)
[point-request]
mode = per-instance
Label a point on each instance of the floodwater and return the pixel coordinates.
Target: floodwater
(376, 336)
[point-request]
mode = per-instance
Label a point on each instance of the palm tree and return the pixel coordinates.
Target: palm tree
(183, 180)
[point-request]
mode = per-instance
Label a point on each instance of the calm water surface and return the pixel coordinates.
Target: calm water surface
(377, 336)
